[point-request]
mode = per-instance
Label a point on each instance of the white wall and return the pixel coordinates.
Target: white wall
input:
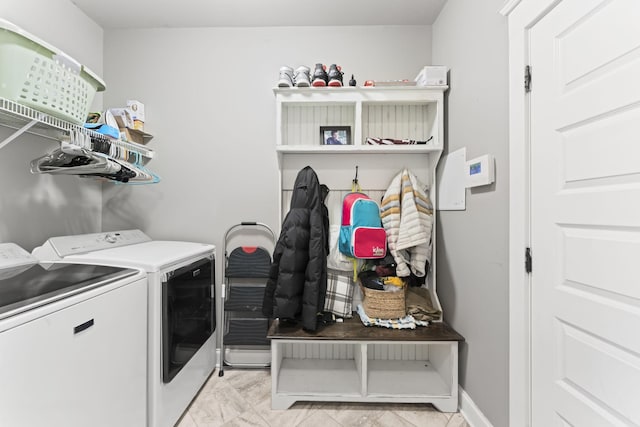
(35, 207)
(471, 38)
(210, 106)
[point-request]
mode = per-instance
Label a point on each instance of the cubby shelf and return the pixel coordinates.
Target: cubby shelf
(349, 362)
(413, 113)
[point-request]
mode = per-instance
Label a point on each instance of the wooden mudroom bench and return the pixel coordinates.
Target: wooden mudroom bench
(349, 362)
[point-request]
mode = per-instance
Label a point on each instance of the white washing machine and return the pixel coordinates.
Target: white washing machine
(72, 343)
(181, 306)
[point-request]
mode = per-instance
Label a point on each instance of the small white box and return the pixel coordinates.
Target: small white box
(432, 75)
(137, 110)
(122, 117)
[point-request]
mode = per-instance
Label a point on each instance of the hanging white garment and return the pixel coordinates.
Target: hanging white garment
(407, 217)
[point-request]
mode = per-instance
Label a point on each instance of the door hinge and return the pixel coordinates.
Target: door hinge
(527, 78)
(528, 262)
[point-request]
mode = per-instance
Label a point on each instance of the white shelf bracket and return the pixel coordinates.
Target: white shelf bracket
(17, 133)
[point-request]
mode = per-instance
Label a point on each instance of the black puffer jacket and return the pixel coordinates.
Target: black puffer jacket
(298, 277)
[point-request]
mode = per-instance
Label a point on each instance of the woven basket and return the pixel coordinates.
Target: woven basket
(383, 304)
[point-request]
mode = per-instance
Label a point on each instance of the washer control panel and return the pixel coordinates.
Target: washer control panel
(62, 246)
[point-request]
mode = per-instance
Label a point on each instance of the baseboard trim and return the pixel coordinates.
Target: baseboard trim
(470, 411)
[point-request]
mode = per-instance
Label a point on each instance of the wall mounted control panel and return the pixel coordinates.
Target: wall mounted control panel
(480, 171)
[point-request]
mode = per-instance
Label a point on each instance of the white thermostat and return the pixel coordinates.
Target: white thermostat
(480, 171)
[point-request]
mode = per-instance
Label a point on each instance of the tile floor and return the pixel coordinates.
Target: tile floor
(242, 398)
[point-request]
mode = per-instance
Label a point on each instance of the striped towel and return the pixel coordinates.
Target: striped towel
(406, 322)
(422, 322)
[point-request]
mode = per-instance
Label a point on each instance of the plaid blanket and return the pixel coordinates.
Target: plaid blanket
(339, 297)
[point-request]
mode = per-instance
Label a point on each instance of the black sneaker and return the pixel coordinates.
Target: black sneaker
(319, 78)
(335, 75)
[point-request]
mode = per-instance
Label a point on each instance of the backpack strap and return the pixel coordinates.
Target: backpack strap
(355, 186)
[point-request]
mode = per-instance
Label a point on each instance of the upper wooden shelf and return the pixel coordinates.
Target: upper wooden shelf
(348, 94)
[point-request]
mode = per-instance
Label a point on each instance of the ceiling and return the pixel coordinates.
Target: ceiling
(258, 13)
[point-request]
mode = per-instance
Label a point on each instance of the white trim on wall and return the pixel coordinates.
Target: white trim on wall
(519, 298)
(470, 411)
(508, 6)
(522, 15)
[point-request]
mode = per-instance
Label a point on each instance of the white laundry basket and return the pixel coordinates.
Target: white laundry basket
(36, 74)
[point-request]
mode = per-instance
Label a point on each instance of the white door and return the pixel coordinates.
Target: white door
(585, 218)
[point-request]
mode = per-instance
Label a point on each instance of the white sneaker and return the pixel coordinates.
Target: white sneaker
(286, 77)
(301, 77)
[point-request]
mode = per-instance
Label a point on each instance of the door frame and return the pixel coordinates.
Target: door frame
(522, 16)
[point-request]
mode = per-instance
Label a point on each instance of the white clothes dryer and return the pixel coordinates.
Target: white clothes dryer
(181, 308)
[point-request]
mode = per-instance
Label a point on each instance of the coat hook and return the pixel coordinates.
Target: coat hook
(355, 180)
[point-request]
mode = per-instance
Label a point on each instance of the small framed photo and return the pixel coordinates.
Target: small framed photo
(335, 135)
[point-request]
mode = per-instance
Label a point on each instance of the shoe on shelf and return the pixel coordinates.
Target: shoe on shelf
(301, 76)
(320, 78)
(285, 78)
(335, 75)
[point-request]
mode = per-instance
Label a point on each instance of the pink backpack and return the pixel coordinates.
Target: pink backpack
(361, 231)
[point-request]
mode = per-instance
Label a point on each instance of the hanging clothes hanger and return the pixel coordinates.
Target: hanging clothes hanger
(74, 157)
(145, 175)
(89, 156)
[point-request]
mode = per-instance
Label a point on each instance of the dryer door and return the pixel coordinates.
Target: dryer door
(188, 314)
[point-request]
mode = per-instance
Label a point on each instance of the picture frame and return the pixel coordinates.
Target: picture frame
(330, 134)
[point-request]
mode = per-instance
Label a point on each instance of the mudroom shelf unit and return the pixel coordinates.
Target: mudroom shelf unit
(28, 120)
(348, 362)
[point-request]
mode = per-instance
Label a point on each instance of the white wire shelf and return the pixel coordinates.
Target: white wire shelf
(25, 119)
